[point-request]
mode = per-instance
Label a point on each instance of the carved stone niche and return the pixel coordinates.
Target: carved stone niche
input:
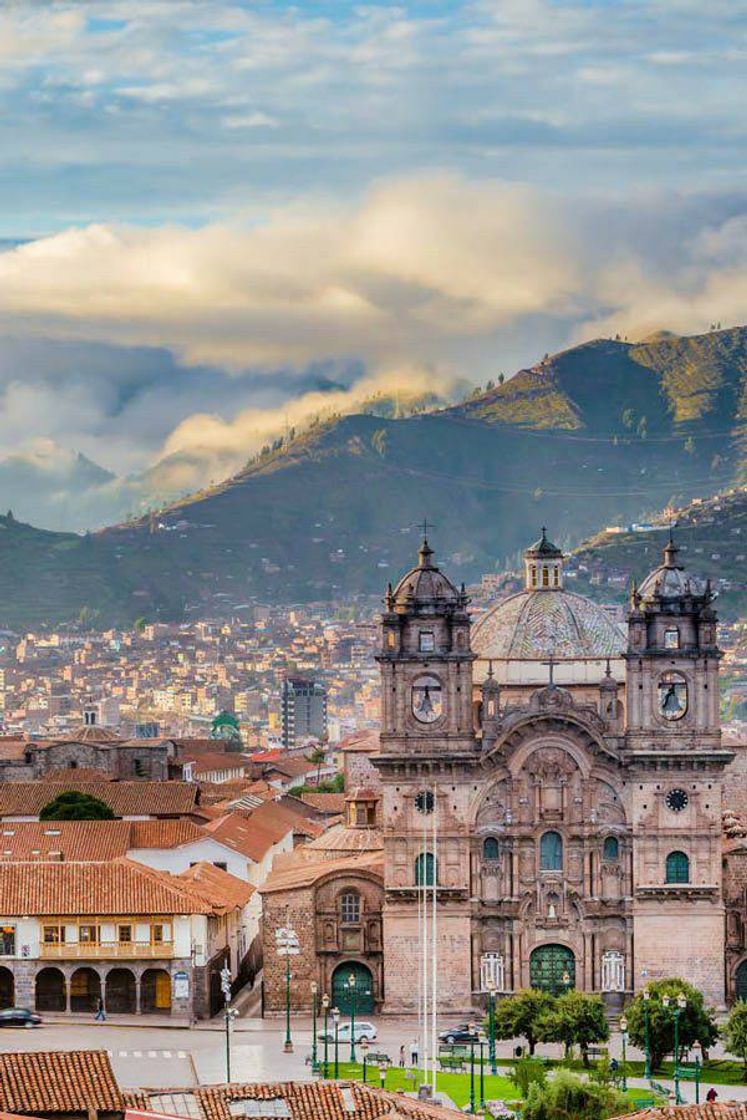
(551, 771)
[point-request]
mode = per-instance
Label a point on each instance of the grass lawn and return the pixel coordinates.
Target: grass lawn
(455, 1085)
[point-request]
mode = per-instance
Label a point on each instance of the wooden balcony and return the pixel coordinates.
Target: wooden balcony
(106, 950)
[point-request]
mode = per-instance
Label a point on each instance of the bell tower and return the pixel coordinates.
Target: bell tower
(426, 663)
(674, 772)
(428, 754)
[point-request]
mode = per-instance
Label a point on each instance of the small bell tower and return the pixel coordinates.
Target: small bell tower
(426, 662)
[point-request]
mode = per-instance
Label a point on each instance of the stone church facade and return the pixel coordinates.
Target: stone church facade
(560, 778)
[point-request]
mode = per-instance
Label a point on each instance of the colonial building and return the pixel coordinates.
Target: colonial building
(553, 779)
(559, 779)
(140, 940)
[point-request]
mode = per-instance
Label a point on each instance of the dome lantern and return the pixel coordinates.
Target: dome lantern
(543, 565)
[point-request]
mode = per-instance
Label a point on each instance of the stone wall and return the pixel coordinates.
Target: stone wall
(681, 938)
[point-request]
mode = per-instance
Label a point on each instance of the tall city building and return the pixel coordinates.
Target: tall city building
(303, 710)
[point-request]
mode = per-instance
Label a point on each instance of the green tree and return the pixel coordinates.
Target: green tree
(72, 805)
(569, 1096)
(316, 757)
(527, 1072)
(735, 1034)
(697, 1022)
(520, 1015)
(576, 1019)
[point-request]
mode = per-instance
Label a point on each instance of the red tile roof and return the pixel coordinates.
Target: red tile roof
(719, 1110)
(217, 887)
(154, 799)
(90, 841)
(60, 1081)
(121, 887)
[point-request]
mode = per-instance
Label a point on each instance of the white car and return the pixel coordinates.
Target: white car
(362, 1030)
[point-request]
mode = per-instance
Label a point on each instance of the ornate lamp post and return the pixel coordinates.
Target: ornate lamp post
(382, 1076)
(491, 1027)
(646, 1034)
(472, 1034)
(481, 1044)
(287, 945)
(325, 1009)
(352, 988)
(681, 1005)
(364, 1048)
(624, 1032)
(314, 993)
(336, 1021)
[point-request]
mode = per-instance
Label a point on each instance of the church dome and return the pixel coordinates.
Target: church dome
(545, 621)
(424, 587)
(670, 580)
(537, 625)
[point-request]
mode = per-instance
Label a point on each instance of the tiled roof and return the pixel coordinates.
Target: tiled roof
(117, 888)
(719, 1110)
(216, 886)
(364, 742)
(343, 839)
(330, 803)
(27, 799)
(90, 841)
(58, 1081)
(82, 774)
(532, 625)
(298, 870)
(314, 1100)
(254, 833)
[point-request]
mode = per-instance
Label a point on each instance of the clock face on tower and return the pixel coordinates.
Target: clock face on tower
(677, 800)
(427, 698)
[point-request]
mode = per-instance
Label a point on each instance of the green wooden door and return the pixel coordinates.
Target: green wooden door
(361, 988)
(552, 968)
(740, 981)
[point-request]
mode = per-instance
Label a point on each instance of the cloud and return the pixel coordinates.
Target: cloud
(420, 262)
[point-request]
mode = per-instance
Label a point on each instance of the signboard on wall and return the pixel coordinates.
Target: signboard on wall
(181, 985)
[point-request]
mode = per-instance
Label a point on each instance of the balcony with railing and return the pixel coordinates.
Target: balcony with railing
(106, 950)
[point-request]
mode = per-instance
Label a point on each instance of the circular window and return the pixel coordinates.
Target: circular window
(424, 801)
(677, 800)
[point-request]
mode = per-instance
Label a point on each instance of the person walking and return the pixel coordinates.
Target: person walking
(711, 1095)
(402, 1056)
(414, 1053)
(100, 1015)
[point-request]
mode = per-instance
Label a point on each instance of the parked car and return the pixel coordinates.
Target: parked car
(19, 1017)
(460, 1034)
(362, 1030)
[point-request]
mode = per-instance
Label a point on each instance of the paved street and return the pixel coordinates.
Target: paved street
(157, 1056)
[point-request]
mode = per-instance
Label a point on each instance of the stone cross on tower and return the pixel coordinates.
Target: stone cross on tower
(551, 663)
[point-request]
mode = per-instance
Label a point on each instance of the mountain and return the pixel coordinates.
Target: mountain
(606, 432)
(52, 480)
(711, 534)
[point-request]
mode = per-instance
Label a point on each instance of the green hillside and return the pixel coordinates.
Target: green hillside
(603, 433)
(711, 535)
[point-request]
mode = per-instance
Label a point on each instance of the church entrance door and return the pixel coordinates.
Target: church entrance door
(353, 981)
(740, 981)
(552, 968)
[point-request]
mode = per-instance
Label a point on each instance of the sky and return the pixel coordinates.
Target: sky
(210, 212)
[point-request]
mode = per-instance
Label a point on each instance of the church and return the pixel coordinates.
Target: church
(552, 781)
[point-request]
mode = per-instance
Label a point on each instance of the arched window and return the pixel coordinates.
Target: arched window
(551, 852)
(350, 908)
(611, 849)
(490, 848)
(678, 868)
(533, 571)
(425, 870)
(545, 577)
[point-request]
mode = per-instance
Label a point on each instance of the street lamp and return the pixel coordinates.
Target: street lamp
(646, 1035)
(681, 1005)
(353, 992)
(472, 1033)
(382, 1076)
(314, 993)
(325, 1008)
(364, 1048)
(287, 945)
(336, 1021)
(229, 1014)
(481, 1043)
(491, 1027)
(624, 1031)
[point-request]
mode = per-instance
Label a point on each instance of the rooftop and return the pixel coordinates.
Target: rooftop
(58, 1081)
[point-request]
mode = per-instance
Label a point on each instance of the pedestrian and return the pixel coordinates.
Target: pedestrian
(100, 1013)
(402, 1056)
(414, 1053)
(711, 1095)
